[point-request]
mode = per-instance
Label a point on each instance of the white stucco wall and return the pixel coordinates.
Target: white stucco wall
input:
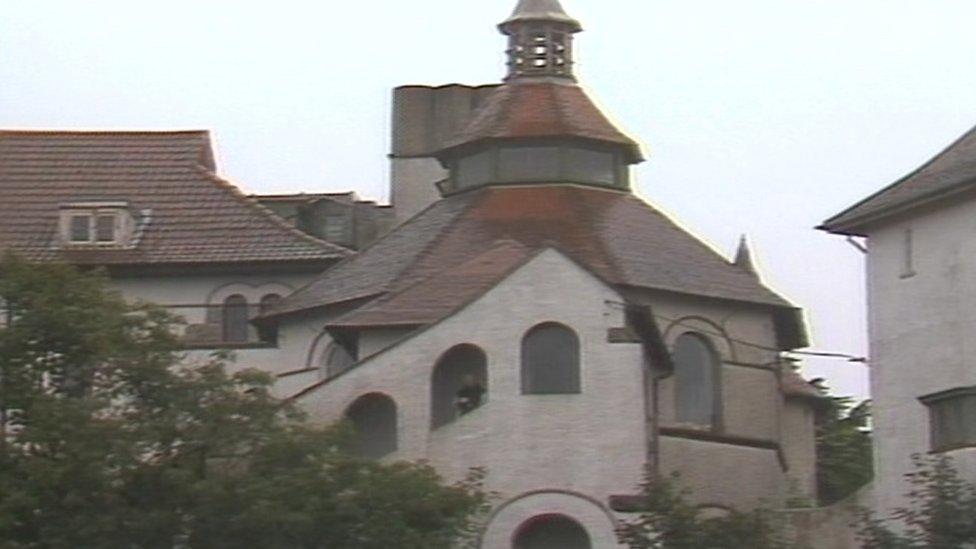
(586, 446)
(921, 328)
(187, 295)
(591, 443)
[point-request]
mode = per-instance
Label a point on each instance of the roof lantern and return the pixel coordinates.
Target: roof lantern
(540, 42)
(539, 127)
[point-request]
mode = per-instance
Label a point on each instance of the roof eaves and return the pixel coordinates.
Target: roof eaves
(854, 225)
(848, 221)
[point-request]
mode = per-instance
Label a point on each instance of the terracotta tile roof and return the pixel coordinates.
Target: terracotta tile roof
(618, 237)
(186, 214)
(543, 109)
(951, 171)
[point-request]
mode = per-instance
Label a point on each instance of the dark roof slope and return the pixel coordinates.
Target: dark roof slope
(440, 294)
(541, 110)
(185, 213)
(952, 170)
(618, 237)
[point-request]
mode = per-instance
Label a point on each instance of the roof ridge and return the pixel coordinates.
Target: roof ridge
(252, 203)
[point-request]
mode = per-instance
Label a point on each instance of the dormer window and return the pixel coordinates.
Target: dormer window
(96, 224)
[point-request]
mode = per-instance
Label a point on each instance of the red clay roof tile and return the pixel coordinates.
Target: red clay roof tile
(541, 110)
(187, 214)
(618, 237)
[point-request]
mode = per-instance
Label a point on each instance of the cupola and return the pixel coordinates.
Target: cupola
(539, 127)
(540, 40)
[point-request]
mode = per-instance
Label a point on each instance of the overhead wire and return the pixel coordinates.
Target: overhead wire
(821, 354)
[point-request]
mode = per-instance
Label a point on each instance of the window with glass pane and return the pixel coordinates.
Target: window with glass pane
(528, 164)
(952, 418)
(105, 228)
(550, 360)
(335, 228)
(695, 381)
(80, 230)
(235, 321)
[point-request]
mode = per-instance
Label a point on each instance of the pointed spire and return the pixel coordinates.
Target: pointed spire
(540, 40)
(743, 256)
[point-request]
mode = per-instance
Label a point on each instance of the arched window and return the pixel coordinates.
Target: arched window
(550, 360)
(267, 302)
(374, 422)
(458, 384)
(696, 380)
(551, 532)
(268, 332)
(335, 359)
(234, 319)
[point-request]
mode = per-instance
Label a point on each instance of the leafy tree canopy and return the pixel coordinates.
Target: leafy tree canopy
(109, 438)
(844, 452)
(941, 513)
(668, 520)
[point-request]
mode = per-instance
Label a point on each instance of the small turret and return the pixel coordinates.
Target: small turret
(540, 40)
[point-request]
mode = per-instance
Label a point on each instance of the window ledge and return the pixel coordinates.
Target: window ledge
(721, 438)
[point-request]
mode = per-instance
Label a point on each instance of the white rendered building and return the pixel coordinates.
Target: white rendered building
(530, 315)
(603, 336)
(921, 282)
(150, 209)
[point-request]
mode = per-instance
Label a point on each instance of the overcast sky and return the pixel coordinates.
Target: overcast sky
(761, 117)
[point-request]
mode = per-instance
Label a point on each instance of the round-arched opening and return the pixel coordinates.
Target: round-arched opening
(550, 360)
(374, 422)
(458, 385)
(696, 380)
(551, 532)
(234, 319)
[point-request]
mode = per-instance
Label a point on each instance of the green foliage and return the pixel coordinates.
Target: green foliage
(669, 521)
(108, 439)
(941, 513)
(844, 452)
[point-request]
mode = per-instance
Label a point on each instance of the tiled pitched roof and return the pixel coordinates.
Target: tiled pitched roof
(541, 110)
(185, 213)
(439, 295)
(618, 237)
(952, 170)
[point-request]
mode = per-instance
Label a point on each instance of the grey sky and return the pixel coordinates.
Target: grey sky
(760, 116)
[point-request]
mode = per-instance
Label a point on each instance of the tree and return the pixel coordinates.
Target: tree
(844, 451)
(941, 513)
(109, 438)
(667, 520)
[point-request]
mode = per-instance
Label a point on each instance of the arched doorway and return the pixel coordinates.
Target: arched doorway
(551, 532)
